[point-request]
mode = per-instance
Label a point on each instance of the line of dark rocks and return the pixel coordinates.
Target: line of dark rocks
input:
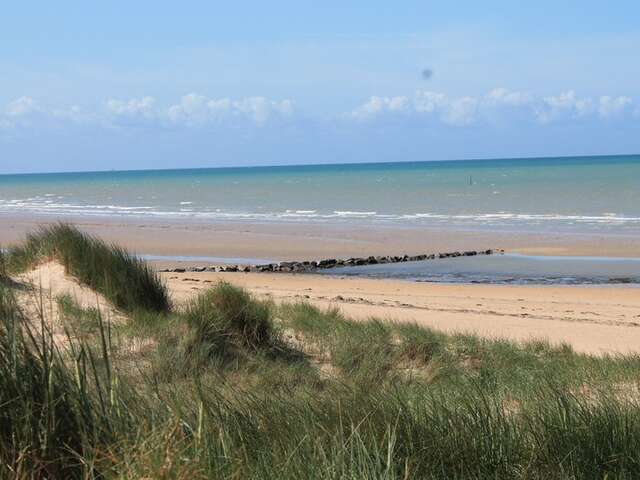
(310, 266)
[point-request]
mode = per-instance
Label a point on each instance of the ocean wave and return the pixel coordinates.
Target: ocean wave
(348, 213)
(47, 206)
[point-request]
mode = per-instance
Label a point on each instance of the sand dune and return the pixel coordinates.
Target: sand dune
(38, 291)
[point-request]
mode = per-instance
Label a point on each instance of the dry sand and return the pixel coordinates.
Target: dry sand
(39, 289)
(596, 320)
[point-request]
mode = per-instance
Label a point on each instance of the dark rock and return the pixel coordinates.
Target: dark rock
(327, 263)
(310, 265)
(178, 270)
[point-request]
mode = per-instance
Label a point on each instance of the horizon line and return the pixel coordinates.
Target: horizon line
(477, 159)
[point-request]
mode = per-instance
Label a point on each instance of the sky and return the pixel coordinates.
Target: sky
(136, 85)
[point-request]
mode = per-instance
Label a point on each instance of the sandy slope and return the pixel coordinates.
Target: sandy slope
(52, 279)
(39, 288)
(592, 319)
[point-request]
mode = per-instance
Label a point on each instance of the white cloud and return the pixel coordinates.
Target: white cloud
(499, 102)
(377, 105)
(429, 102)
(135, 107)
(21, 106)
(503, 96)
(611, 106)
(565, 104)
(198, 110)
(461, 111)
(457, 111)
(498, 106)
(194, 109)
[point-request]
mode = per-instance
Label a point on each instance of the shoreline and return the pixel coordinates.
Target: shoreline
(306, 241)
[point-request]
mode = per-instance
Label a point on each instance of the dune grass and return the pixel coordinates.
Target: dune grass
(128, 282)
(234, 387)
(49, 417)
(4, 274)
(226, 317)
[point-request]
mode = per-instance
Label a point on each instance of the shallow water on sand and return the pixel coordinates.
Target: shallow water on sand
(507, 269)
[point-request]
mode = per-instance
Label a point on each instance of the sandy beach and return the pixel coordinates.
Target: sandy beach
(595, 320)
(592, 319)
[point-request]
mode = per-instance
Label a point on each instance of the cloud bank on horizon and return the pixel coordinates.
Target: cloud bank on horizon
(88, 87)
(424, 107)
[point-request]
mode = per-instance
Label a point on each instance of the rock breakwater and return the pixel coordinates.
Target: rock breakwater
(327, 263)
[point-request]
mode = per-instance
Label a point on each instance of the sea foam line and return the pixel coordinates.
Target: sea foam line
(46, 206)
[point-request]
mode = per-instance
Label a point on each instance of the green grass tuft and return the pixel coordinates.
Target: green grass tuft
(128, 282)
(226, 318)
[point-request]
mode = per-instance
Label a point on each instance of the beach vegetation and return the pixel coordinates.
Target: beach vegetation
(231, 386)
(124, 279)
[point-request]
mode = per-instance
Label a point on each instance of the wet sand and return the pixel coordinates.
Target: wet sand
(298, 241)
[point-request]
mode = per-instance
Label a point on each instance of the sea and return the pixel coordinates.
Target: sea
(564, 194)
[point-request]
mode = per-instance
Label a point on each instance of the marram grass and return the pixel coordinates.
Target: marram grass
(128, 282)
(291, 391)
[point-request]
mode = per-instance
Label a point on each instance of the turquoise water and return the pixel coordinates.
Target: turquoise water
(579, 193)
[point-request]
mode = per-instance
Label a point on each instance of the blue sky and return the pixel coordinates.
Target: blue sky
(195, 84)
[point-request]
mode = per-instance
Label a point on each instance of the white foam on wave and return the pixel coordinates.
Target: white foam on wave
(45, 205)
(349, 213)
